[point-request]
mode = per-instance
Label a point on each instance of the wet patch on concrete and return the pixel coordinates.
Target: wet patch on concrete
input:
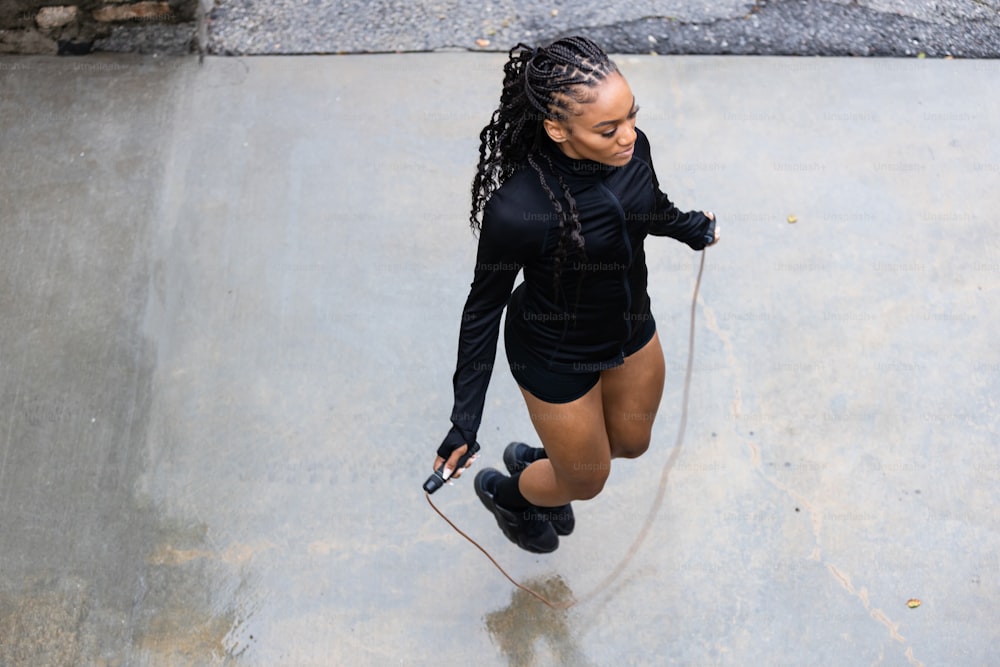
(526, 630)
(188, 615)
(94, 571)
(41, 625)
(184, 610)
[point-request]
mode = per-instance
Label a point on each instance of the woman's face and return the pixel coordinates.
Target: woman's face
(602, 130)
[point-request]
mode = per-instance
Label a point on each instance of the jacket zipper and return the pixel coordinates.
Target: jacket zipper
(628, 248)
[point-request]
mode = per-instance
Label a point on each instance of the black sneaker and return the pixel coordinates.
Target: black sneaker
(528, 529)
(518, 456)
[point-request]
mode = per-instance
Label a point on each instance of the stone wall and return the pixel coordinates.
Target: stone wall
(80, 26)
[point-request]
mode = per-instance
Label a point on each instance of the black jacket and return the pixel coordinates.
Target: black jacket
(582, 325)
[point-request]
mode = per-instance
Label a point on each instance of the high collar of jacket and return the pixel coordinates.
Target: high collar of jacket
(574, 170)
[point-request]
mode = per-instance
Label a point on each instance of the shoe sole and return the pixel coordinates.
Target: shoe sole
(509, 531)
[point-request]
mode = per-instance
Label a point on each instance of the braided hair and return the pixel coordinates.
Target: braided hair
(539, 83)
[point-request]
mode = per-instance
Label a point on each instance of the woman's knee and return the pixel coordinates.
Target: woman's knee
(586, 480)
(629, 448)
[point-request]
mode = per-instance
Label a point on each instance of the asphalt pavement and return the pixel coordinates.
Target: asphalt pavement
(230, 299)
(901, 28)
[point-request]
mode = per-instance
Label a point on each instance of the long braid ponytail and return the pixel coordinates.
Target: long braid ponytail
(539, 83)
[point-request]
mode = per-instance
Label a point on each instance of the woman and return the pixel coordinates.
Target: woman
(567, 193)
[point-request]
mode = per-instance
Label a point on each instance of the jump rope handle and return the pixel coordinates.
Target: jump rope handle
(437, 480)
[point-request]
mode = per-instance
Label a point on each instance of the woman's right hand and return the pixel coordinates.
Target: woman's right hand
(452, 463)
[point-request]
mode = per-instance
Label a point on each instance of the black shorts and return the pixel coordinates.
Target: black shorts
(557, 387)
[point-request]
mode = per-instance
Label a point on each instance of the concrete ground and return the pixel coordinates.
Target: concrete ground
(230, 298)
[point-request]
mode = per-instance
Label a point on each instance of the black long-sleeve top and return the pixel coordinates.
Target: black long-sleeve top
(583, 325)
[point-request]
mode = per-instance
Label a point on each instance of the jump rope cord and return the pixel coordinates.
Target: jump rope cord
(661, 491)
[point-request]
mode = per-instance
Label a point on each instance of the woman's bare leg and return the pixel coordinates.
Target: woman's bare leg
(631, 396)
(614, 419)
(576, 443)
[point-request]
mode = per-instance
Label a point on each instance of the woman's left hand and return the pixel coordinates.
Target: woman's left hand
(711, 216)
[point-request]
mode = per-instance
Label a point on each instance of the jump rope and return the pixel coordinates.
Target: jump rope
(436, 480)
